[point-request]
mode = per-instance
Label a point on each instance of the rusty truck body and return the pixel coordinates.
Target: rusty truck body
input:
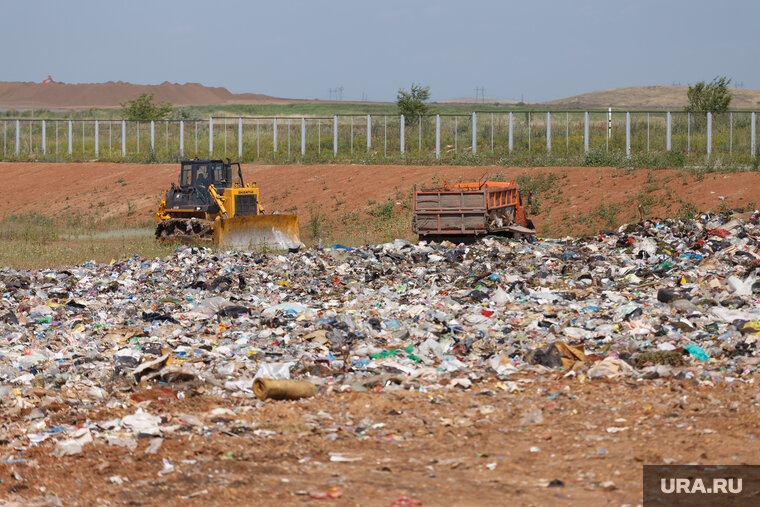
(469, 210)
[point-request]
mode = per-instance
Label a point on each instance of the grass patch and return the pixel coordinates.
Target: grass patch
(607, 214)
(34, 240)
(688, 210)
(317, 223)
(382, 211)
(538, 183)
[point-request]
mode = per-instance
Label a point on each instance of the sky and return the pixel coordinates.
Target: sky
(534, 50)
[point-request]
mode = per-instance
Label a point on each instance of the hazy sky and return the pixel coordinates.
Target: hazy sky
(536, 49)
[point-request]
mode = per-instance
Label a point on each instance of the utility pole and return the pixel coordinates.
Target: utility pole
(480, 93)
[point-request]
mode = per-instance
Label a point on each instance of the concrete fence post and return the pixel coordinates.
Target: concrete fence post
(181, 138)
(274, 134)
(667, 131)
(210, 136)
(548, 132)
(123, 138)
(510, 131)
(240, 138)
(97, 139)
(752, 134)
(402, 129)
(438, 136)
(44, 144)
(628, 134)
(303, 136)
(70, 128)
(152, 136)
(585, 131)
(369, 133)
(474, 133)
(709, 134)
(18, 136)
(335, 135)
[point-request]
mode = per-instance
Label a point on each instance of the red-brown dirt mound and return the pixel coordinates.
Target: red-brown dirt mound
(112, 94)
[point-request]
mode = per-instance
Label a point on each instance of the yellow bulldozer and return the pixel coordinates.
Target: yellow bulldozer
(209, 207)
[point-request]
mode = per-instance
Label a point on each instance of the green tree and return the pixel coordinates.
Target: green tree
(142, 108)
(412, 103)
(185, 113)
(713, 97)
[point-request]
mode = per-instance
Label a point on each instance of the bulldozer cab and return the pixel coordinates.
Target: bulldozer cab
(202, 173)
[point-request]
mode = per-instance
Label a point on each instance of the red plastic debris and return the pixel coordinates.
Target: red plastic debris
(722, 233)
(405, 500)
(331, 493)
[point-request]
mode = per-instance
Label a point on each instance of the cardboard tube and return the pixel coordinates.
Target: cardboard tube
(276, 389)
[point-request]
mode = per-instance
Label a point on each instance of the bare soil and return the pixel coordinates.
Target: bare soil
(569, 206)
(445, 447)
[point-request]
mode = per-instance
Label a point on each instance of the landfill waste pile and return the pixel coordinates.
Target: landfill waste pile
(113, 356)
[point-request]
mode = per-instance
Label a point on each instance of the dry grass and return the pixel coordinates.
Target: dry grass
(649, 97)
(35, 241)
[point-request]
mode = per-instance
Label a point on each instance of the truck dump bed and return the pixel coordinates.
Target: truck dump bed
(470, 209)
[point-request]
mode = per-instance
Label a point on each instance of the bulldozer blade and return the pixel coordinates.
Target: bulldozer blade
(277, 232)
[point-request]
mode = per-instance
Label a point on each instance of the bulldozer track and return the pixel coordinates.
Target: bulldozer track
(185, 229)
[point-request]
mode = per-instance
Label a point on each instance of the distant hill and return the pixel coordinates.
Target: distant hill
(649, 97)
(470, 101)
(26, 95)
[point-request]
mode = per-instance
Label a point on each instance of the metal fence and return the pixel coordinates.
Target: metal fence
(556, 134)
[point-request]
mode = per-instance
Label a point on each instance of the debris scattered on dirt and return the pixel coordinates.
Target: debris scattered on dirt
(120, 357)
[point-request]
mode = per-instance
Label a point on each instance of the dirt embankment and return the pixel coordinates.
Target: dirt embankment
(568, 200)
(25, 95)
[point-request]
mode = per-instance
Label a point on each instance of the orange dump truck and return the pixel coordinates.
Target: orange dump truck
(469, 210)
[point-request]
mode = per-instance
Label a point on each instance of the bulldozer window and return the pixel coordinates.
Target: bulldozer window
(219, 176)
(201, 176)
(187, 175)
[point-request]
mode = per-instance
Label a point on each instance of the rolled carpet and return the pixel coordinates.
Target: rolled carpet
(275, 389)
